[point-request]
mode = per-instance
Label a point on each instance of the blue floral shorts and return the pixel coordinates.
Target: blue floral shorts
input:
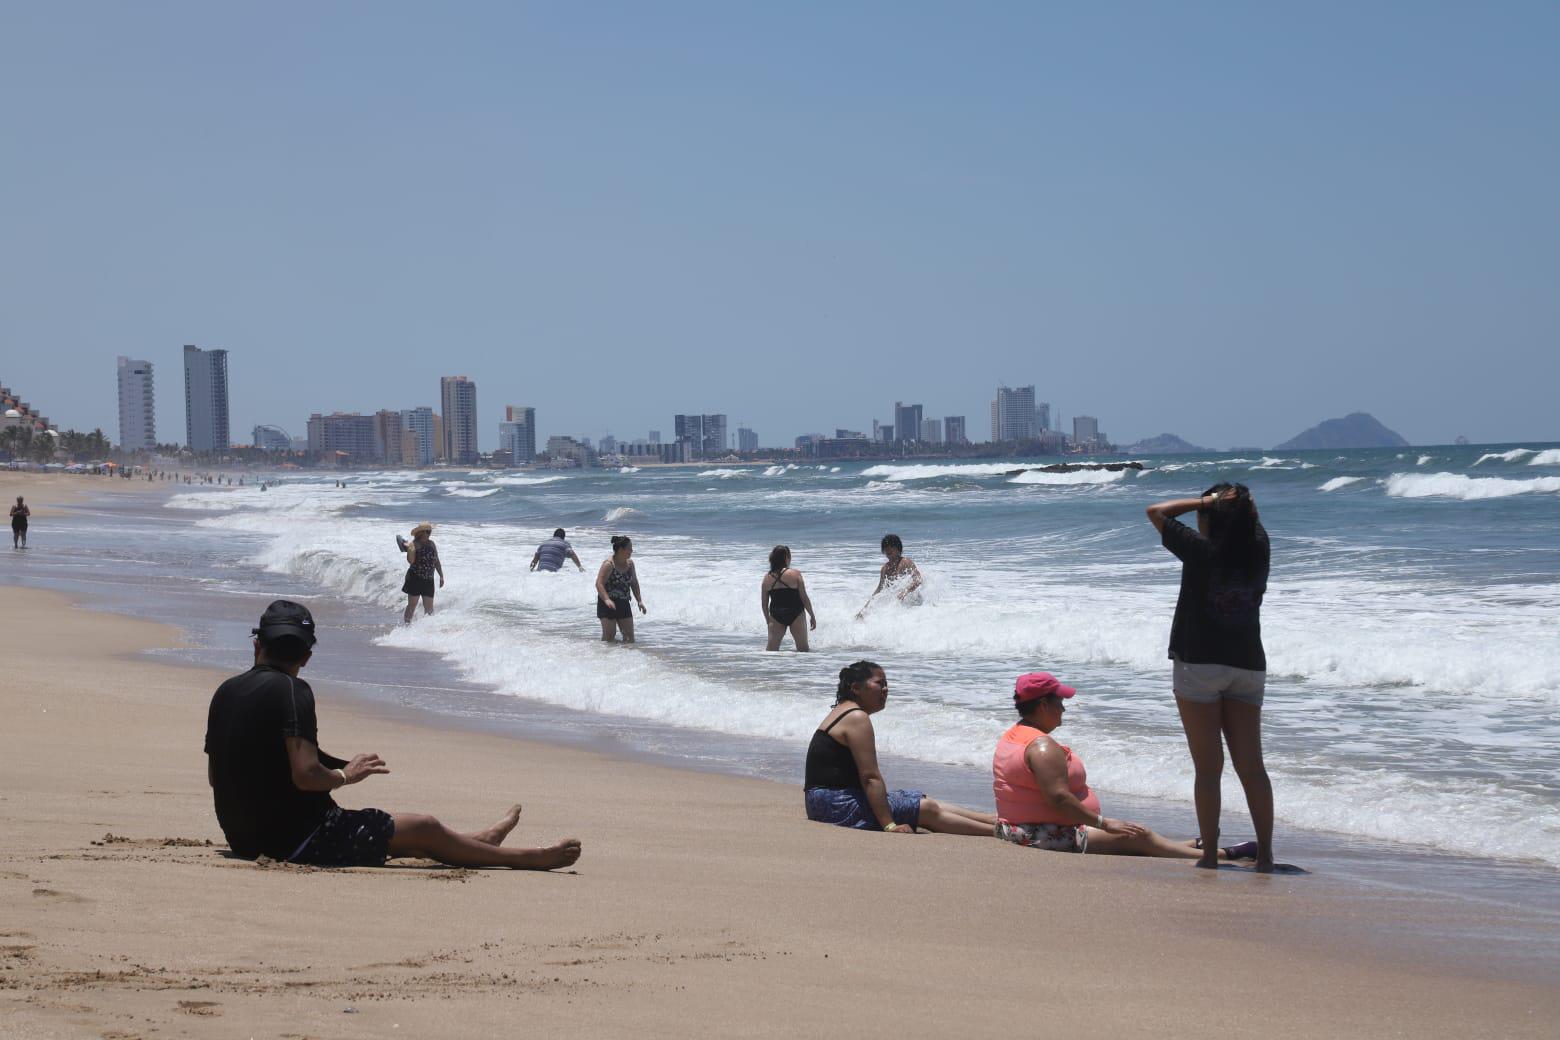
(848, 807)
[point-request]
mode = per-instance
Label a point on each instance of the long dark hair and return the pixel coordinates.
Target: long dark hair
(779, 559)
(1232, 526)
(852, 674)
(621, 541)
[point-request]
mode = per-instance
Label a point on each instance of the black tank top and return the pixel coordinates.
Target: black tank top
(830, 763)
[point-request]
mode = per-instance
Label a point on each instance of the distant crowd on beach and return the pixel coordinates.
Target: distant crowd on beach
(272, 782)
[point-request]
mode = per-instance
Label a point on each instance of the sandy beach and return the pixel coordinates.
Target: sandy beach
(703, 904)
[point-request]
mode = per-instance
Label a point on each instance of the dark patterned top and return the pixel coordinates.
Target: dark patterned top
(427, 559)
(617, 582)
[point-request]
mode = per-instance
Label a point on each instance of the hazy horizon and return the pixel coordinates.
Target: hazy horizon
(1224, 223)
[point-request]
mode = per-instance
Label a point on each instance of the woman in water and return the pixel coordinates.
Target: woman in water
(422, 558)
(782, 596)
(898, 572)
(615, 579)
(19, 514)
(844, 786)
(1042, 790)
(1220, 668)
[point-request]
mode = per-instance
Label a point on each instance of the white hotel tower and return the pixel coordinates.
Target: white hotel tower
(137, 412)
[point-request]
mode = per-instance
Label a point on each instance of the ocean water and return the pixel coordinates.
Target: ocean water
(1411, 623)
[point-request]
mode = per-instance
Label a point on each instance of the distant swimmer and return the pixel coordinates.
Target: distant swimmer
(616, 579)
(845, 787)
(899, 573)
(783, 597)
(19, 515)
(272, 783)
(1220, 669)
(1042, 789)
(551, 554)
(422, 558)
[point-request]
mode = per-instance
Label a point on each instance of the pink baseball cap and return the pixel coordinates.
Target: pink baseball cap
(1039, 684)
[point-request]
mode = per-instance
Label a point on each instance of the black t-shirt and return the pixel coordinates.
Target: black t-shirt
(1218, 615)
(260, 810)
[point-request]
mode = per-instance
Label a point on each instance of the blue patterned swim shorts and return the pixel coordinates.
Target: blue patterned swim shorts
(848, 807)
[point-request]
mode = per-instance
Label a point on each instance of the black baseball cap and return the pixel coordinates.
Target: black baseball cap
(283, 619)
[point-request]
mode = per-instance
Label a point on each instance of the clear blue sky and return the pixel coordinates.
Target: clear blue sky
(1229, 221)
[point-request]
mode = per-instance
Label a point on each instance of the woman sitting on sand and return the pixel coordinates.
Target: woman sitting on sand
(782, 596)
(844, 785)
(1042, 789)
(615, 579)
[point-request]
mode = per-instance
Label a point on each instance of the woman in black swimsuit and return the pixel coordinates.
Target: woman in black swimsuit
(19, 515)
(615, 579)
(782, 596)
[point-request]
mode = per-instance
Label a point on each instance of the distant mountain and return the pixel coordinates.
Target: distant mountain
(1164, 444)
(1357, 430)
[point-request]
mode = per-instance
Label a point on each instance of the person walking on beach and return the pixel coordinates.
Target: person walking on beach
(272, 783)
(1220, 669)
(550, 554)
(1042, 789)
(898, 572)
(843, 784)
(615, 580)
(782, 596)
(19, 515)
(422, 558)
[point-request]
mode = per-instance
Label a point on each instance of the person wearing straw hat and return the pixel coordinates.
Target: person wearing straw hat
(422, 558)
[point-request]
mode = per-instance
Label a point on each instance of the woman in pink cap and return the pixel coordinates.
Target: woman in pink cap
(1042, 789)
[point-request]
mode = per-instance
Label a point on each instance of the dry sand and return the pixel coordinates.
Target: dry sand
(703, 905)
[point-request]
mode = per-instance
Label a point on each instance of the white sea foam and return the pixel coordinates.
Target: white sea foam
(902, 472)
(883, 485)
(1465, 488)
(775, 471)
(1423, 459)
(1505, 456)
(1339, 482)
(1547, 457)
(628, 469)
(617, 513)
(468, 492)
(526, 481)
(726, 474)
(1082, 476)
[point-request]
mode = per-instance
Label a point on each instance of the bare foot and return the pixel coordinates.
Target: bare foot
(1209, 864)
(496, 834)
(562, 854)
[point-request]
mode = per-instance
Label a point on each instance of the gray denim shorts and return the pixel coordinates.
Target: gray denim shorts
(1211, 683)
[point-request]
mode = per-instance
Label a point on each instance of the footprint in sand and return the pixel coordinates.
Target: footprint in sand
(59, 897)
(200, 1007)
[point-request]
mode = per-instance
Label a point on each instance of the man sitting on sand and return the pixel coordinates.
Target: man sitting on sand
(272, 782)
(551, 553)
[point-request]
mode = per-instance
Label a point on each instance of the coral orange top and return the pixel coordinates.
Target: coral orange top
(1019, 798)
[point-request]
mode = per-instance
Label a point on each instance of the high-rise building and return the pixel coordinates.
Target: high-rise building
(953, 430)
(345, 438)
(458, 403)
(419, 425)
(1013, 414)
(887, 430)
(206, 400)
(1086, 431)
(387, 436)
(1042, 417)
(523, 437)
(137, 407)
(907, 421)
(747, 440)
(271, 438)
(704, 435)
(655, 437)
(440, 449)
(931, 431)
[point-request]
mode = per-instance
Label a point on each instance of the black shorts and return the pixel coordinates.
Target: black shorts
(415, 586)
(619, 610)
(19, 524)
(348, 838)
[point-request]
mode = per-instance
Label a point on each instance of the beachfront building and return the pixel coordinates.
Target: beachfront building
(907, 421)
(1086, 431)
(747, 440)
(1042, 417)
(344, 438)
(953, 430)
(388, 436)
(518, 440)
(1013, 414)
(566, 451)
(704, 436)
(458, 404)
(931, 431)
(524, 418)
(418, 436)
(271, 438)
(206, 400)
(137, 410)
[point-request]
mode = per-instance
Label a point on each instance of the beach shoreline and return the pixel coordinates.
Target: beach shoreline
(703, 904)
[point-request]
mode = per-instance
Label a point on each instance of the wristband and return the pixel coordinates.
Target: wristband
(1100, 823)
(891, 827)
(343, 774)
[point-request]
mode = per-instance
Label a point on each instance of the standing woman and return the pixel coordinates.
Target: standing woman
(615, 579)
(19, 515)
(422, 557)
(1220, 668)
(782, 596)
